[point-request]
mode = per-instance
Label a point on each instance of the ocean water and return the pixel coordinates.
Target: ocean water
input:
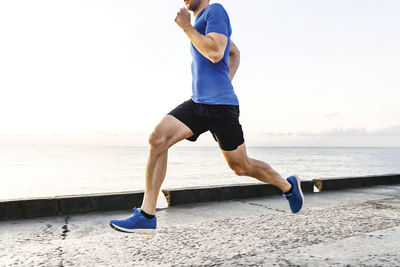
(55, 171)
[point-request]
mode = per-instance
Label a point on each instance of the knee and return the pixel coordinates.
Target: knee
(158, 142)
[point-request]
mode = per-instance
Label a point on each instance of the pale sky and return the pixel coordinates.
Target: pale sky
(105, 72)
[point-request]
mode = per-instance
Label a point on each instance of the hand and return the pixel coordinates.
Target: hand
(183, 18)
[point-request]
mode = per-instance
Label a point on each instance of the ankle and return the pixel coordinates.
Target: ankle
(147, 215)
(288, 189)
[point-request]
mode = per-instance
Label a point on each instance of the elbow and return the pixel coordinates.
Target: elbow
(235, 53)
(215, 58)
(234, 58)
(237, 56)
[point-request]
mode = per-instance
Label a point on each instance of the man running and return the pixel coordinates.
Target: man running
(213, 107)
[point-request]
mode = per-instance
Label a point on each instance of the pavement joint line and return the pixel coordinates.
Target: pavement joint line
(60, 254)
(65, 228)
(64, 233)
(380, 205)
(366, 193)
(356, 190)
(261, 205)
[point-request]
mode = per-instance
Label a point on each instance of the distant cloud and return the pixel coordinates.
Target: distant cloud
(277, 134)
(389, 131)
(331, 115)
(337, 132)
(21, 134)
(105, 133)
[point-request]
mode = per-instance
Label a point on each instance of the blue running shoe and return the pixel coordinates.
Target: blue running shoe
(296, 198)
(137, 223)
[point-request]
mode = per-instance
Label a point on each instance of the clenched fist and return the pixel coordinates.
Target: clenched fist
(183, 18)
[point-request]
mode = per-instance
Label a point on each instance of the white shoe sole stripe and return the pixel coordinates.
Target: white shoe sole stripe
(136, 231)
(301, 191)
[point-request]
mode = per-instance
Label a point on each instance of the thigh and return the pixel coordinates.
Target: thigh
(186, 113)
(171, 130)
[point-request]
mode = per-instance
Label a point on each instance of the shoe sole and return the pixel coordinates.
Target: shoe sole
(301, 191)
(134, 231)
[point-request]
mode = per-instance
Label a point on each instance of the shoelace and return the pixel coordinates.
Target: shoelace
(287, 196)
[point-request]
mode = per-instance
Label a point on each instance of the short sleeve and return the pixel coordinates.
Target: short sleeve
(217, 20)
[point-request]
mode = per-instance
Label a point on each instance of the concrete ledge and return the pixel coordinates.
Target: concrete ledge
(63, 205)
(28, 208)
(99, 202)
(228, 192)
(326, 184)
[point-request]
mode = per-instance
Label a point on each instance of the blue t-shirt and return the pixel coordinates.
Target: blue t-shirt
(211, 83)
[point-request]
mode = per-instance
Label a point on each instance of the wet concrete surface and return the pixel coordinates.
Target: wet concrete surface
(337, 228)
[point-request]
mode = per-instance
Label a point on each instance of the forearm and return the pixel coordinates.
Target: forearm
(234, 61)
(203, 43)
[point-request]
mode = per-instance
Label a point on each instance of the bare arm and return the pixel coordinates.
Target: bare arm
(212, 45)
(234, 60)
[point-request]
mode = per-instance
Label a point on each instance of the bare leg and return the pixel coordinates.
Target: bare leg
(168, 132)
(155, 175)
(242, 165)
(264, 172)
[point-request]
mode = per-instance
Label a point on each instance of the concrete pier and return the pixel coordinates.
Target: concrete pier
(349, 227)
(65, 205)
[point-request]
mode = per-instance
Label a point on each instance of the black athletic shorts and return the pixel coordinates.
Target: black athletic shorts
(221, 120)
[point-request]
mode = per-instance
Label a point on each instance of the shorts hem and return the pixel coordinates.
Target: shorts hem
(231, 148)
(192, 138)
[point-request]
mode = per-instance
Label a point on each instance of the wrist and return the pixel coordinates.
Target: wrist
(186, 27)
